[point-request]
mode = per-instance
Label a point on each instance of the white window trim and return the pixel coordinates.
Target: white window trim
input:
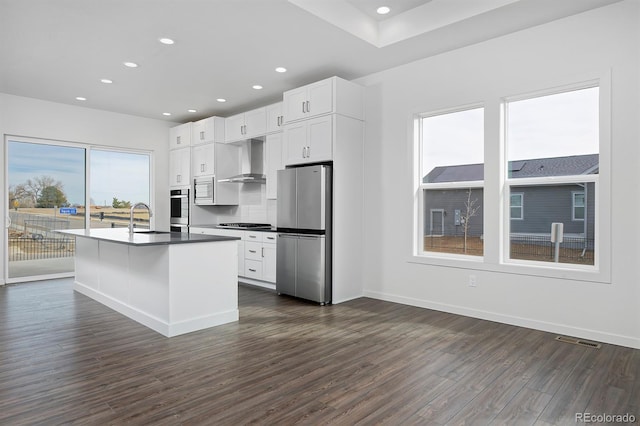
(495, 172)
(573, 205)
(521, 206)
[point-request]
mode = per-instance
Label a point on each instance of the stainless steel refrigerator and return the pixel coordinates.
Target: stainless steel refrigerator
(303, 264)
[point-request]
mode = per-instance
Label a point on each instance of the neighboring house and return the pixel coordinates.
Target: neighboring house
(533, 208)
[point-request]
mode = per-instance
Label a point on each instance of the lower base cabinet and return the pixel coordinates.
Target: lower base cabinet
(256, 252)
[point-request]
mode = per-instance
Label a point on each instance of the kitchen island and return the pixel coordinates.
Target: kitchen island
(171, 282)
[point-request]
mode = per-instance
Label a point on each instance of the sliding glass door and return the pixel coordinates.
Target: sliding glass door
(53, 186)
(45, 193)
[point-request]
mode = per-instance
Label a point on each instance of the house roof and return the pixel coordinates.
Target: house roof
(536, 167)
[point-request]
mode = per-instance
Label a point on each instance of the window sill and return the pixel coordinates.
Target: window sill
(562, 271)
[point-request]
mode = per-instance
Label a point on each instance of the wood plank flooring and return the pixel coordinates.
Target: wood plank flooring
(66, 359)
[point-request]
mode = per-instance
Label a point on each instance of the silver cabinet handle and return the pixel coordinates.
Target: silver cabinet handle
(303, 151)
(178, 178)
(178, 140)
(252, 270)
(308, 107)
(252, 251)
(252, 236)
(262, 251)
(201, 136)
(303, 111)
(308, 151)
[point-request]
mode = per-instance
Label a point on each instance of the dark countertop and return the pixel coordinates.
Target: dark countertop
(142, 238)
(272, 229)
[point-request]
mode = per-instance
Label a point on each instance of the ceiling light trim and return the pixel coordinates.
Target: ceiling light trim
(416, 21)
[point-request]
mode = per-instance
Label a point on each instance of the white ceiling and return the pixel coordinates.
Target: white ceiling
(57, 50)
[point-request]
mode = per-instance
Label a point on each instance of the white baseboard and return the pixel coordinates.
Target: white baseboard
(154, 323)
(583, 333)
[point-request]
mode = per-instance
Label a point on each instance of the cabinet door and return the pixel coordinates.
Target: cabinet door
(274, 118)
(319, 144)
(295, 142)
(269, 262)
(179, 162)
(320, 97)
(208, 130)
(294, 102)
(234, 128)
(180, 136)
(252, 251)
(274, 163)
(203, 160)
(255, 122)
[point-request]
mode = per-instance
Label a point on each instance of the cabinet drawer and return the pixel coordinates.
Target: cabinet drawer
(253, 250)
(253, 236)
(253, 269)
(269, 237)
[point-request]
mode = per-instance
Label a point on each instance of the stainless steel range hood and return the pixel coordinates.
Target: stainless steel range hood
(251, 163)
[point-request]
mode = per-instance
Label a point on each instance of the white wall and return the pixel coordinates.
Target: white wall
(35, 118)
(600, 41)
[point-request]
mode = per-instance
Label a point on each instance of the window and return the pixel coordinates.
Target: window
(516, 207)
(450, 181)
(578, 204)
(552, 147)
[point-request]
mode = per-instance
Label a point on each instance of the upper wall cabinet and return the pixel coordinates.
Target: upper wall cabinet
(180, 136)
(333, 95)
(208, 130)
(246, 125)
(275, 118)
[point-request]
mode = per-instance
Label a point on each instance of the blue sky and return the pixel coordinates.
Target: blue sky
(113, 174)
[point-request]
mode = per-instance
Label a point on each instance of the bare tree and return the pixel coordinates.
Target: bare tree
(471, 209)
(35, 186)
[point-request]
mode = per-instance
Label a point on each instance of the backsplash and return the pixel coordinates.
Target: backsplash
(254, 207)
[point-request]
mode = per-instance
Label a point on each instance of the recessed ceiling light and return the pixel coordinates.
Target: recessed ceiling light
(165, 40)
(80, 98)
(192, 110)
(106, 81)
(281, 69)
(383, 10)
(131, 64)
(221, 100)
(166, 113)
(257, 87)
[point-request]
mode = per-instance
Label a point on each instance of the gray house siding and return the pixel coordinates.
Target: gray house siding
(542, 205)
(449, 201)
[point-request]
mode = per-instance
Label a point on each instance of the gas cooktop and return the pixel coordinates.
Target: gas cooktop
(244, 225)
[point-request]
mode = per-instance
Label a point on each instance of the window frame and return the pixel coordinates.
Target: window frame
(496, 218)
(574, 206)
(420, 186)
(521, 206)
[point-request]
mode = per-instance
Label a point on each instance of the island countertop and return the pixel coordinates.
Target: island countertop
(144, 238)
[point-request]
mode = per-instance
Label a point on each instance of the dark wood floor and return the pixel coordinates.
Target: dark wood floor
(67, 359)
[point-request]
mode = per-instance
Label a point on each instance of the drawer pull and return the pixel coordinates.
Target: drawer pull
(252, 270)
(252, 251)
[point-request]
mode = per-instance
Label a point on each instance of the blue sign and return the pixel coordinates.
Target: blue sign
(68, 210)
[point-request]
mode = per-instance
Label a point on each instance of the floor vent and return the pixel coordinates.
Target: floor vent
(580, 342)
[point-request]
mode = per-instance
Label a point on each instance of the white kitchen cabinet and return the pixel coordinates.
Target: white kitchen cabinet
(179, 167)
(275, 118)
(208, 130)
(274, 163)
(203, 160)
(332, 95)
(269, 257)
(309, 141)
(180, 136)
(246, 125)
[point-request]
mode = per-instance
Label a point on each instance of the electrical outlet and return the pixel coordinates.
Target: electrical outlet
(472, 281)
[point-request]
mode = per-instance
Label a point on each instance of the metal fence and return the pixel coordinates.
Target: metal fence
(33, 237)
(540, 247)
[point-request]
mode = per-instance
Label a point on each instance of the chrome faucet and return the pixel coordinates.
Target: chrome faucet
(136, 205)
